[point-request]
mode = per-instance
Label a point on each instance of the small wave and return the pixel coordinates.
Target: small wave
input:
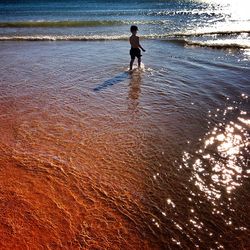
(226, 43)
(221, 44)
(63, 38)
(58, 24)
(76, 37)
(205, 33)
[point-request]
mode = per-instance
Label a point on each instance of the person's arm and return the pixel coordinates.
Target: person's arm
(141, 46)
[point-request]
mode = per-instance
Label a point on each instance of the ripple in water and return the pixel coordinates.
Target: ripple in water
(218, 168)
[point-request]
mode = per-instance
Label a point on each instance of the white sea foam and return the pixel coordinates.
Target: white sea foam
(62, 38)
(223, 43)
(218, 43)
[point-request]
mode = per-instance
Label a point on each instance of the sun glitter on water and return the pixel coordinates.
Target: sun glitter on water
(236, 8)
(220, 162)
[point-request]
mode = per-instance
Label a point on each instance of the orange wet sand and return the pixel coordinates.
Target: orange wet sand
(92, 157)
(65, 186)
(48, 207)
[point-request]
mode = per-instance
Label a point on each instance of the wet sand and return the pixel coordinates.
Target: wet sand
(94, 157)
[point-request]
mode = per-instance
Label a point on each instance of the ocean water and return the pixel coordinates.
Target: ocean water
(95, 157)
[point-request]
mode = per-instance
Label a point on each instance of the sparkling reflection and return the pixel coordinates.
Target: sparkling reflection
(228, 28)
(247, 54)
(218, 166)
(237, 9)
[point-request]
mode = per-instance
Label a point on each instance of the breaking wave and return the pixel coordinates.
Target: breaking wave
(218, 33)
(221, 44)
(62, 38)
(78, 37)
(169, 37)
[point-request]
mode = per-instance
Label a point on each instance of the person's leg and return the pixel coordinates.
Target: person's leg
(131, 64)
(139, 62)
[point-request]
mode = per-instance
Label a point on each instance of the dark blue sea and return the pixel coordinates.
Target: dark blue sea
(94, 156)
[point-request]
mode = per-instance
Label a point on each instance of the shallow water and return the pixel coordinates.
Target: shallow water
(95, 157)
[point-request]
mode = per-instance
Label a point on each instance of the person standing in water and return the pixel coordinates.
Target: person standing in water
(135, 47)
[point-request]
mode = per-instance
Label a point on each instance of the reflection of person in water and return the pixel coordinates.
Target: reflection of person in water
(134, 90)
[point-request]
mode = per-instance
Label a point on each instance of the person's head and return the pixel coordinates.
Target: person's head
(133, 29)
